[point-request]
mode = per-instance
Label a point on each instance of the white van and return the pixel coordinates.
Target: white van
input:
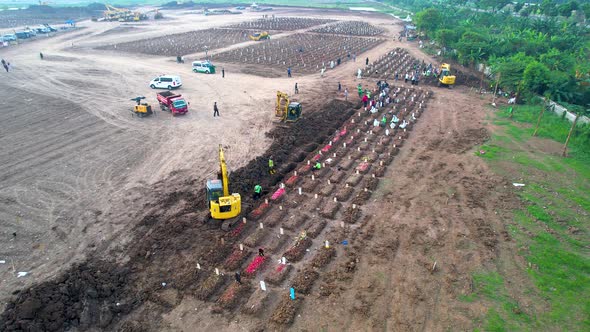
(166, 82)
(203, 67)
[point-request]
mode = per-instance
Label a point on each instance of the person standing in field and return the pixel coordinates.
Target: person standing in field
(215, 110)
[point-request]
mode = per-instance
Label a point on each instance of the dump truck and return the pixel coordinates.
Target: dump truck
(172, 102)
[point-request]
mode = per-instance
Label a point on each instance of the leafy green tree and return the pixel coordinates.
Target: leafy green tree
(446, 37)
(512, 69)
(566, 9)
(473, 47)
(518, 6)
(548, 8)
(556, 60)
(586, 9)
(428, 20)
(536, 77)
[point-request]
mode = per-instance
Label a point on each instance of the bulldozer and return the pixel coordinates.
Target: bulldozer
(141, 109)
(259, 36)
(223, 206)
(285, 110)
(445, 78)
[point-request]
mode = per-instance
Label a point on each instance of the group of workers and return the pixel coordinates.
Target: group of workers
(271, 170)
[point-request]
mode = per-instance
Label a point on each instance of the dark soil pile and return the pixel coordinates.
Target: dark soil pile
(90, 294)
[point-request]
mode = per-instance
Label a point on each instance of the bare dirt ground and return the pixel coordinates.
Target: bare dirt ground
(81, 177)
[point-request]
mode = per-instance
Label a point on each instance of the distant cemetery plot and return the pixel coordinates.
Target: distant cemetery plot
(183, 43)
(304, 53)
(281, 23)
(351, 28)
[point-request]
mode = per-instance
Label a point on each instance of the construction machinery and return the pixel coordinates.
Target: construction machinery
(141, 109)
(445, 77)
(259, 36)
(223, 206)
(285, 110)
(121, 14)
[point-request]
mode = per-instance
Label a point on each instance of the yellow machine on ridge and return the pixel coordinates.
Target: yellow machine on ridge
(285, 110)
(223, 205)
(259, 36)
(445, 77)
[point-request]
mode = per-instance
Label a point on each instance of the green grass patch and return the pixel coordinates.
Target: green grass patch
(556, 202)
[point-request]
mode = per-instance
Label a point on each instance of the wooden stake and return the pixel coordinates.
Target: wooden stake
(539, 121)
(496, 89)
(564, 153)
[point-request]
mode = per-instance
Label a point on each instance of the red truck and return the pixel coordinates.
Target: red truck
(172, 102)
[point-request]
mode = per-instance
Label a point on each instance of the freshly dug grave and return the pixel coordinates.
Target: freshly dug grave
(255, 238)
(329, 209)
(274, 217)
(278, 274)
(303, 281)
(256, 302)
(351, 215)
(236, 259)
(209, 286)
(317, 226)
(323, 257)
(233, 294)
(284, 313)
(295, 221)
(298, 249)
(344, 194)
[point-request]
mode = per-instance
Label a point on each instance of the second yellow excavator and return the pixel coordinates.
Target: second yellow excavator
(285, 110)
(445, 77)
(223, 206)
(259, 36)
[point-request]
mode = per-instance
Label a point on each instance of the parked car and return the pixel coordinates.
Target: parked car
(42, 30)
(166, 82)
(203, 67)
(8, 38)
(22, 35)
(51, 29)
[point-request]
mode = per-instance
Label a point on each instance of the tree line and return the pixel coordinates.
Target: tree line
(542, 54)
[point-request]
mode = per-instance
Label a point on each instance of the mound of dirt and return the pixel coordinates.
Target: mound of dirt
(90, 294)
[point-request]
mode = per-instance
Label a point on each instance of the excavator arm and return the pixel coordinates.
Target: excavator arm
(281, 110)
(223, 169)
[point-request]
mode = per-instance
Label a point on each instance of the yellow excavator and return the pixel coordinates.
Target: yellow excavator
(259, 36)
(223, 206)
(285, 110)
(141, 109)
(445, 77)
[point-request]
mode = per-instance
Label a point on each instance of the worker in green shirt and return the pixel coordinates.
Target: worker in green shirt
(383, 121)
(271, 166)
(257, 191)
(317, 166)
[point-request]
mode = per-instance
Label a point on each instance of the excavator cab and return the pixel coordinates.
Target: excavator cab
(445, 77)
(220, 206)
(293, 112)
(285, 110)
